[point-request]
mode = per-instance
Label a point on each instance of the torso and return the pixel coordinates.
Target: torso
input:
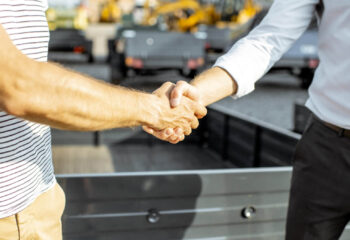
(25, 147)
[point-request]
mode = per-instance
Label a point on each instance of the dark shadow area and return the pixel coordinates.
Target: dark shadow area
(130, 207)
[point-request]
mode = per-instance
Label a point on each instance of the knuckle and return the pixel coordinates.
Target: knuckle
(188, 131)
(181, 82)
(162, 135)
(168, 84)
(176, 92)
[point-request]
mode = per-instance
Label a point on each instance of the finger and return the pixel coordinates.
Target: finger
(187, 130)
(176, 94)
(199, 110)
(181, 138)
(178, 131)
(194, 123)
(178, 139)
(148, 130)
(166, 87)
(190, 91)
(165, 134)
(162, 135)
(173, 138)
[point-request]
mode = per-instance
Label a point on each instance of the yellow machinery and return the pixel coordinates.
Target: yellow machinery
(249, 10)
(181, 15)
(111, 12)
(186, 15)
(67, 18)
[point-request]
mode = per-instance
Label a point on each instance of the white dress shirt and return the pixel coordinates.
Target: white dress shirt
(251, 57)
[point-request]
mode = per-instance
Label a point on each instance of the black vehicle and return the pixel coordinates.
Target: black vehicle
(70, 41)
(150, 49)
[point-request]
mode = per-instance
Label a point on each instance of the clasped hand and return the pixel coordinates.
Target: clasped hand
(177, 115)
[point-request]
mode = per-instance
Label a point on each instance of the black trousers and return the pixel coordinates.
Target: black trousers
(319, 204)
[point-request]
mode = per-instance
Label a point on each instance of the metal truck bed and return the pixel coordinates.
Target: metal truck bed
(230, 180)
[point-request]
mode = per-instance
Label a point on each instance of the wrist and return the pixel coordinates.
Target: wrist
(197, 89)
(150, 110)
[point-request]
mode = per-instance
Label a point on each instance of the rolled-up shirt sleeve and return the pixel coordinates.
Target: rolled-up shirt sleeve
(252, 56)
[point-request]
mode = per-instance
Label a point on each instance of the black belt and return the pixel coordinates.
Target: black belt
(342, 132)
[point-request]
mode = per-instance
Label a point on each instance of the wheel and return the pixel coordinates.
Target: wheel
(118, 69)
(90, 58)
(306, 76)
(188, 73)
(88, 49)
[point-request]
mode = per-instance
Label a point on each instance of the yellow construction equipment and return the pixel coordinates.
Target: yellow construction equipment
(67, 18)
(186, 15)
(111, 12)
(248, 12)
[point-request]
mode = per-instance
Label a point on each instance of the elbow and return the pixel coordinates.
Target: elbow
(17, 87)
(15, 106)
(14, 98)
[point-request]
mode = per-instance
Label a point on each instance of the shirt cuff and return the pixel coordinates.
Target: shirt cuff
(243, 87)
(245, 64)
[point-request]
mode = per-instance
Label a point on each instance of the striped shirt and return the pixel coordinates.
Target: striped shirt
(26, 168)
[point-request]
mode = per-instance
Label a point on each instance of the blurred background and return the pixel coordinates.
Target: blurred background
(230, 178)
(141, 44)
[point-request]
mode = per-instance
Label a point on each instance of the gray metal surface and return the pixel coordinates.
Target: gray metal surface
(164, 48)
(181, 201)
(218, 38)
(248, 142)
(191, 204)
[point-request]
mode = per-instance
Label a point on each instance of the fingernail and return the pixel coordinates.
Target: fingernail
(174, 102)
(168, 132)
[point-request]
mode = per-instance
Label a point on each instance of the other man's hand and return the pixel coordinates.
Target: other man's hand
(177, 134)
(178, 121)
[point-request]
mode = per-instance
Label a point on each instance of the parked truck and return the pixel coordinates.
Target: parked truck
(67, 32)
(143, 49)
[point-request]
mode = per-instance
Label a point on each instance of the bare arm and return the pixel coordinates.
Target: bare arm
(212, 86)
(247, 61)
(209, 87)
(49, 94)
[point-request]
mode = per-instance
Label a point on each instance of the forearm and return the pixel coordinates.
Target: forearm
(49, 94)
(214, 85)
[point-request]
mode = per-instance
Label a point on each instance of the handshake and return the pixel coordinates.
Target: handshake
(178, 109)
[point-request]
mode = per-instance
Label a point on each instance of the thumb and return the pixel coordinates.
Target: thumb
(182, 88)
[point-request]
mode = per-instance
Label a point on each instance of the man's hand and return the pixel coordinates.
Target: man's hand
(207, 88)
(180, 120)
(182, 88)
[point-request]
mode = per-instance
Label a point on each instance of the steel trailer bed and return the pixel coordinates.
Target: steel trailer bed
(236, 187)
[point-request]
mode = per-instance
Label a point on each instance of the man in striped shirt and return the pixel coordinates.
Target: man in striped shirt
(34, 95)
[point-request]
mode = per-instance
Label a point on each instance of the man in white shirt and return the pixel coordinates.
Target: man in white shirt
(319, 203)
